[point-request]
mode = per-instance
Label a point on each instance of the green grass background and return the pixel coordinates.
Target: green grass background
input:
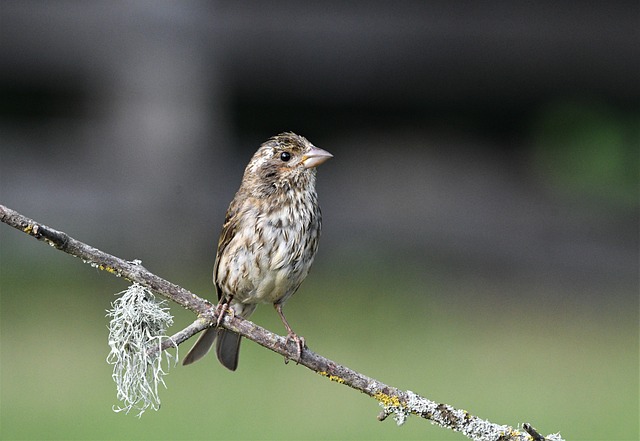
(506, 350)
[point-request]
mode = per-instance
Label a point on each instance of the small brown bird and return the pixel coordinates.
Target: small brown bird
(269, 239)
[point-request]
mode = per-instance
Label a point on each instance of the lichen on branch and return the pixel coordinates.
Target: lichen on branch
(138, 321)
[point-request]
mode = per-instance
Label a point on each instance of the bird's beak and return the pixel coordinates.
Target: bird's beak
(314, 157)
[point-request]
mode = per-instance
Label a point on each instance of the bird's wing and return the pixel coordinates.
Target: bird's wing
(228, 232)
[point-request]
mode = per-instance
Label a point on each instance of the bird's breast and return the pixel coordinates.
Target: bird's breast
(270, 254)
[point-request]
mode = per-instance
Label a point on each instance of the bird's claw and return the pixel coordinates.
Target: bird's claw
(300, 345)
(221, 310)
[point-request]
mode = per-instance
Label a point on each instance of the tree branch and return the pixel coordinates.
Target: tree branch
(394, 401)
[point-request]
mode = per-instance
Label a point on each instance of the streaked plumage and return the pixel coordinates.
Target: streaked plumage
(269, 238)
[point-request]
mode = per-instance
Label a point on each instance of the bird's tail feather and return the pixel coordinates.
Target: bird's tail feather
(228, 343)
(202, 346)
(227, 348)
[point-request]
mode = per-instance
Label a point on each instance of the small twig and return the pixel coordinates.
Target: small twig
(180, 336)
(533, 432)
(395, 402)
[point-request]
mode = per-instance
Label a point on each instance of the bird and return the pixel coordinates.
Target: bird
(268, 241)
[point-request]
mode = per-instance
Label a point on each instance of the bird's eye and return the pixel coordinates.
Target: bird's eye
(285, 156)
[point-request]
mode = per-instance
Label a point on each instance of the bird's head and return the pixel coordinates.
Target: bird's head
(285, 161)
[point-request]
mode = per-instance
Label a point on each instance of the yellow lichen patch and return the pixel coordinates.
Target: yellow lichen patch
(332, 377)
(336, 379)
(28, 229)
(107, 269)
(387, 400)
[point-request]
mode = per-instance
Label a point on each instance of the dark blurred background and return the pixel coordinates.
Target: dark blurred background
(480, 241)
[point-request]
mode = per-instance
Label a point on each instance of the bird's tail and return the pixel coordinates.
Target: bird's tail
(228, 345)
(228, 348)
(202, 346)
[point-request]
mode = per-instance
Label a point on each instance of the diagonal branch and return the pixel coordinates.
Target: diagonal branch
(394, 401)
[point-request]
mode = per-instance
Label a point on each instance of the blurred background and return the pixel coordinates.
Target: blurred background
(480, 242)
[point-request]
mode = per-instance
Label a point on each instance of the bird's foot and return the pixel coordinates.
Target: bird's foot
(221, 310)
(300, 345)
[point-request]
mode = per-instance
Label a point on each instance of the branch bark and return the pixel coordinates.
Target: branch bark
(395, 402)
